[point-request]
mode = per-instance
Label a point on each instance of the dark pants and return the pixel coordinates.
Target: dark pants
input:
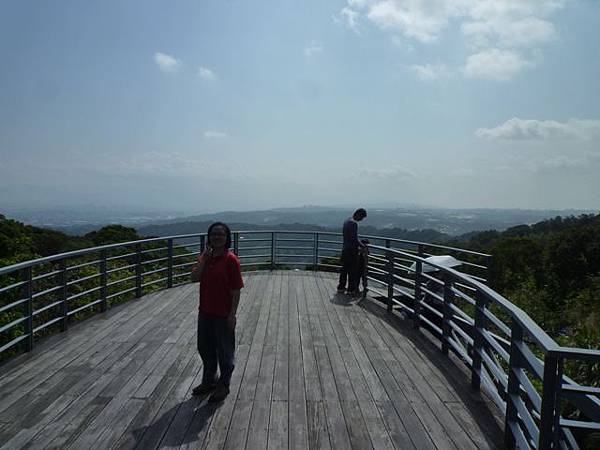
(216, 345)
(349, 269)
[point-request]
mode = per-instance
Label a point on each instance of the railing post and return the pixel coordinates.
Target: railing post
(515, 364)
(390, 280)
(480, 322)
(272, 250)
(316, 251)
(170, 263)
(549, 412)
(236, 243)
(447, 310)
(138, 270)
(417, 303)
(64, 294)
(389, 267)
(103, 281)
(28, 294)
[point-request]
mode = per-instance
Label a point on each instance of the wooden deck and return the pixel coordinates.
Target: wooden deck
(313, 370)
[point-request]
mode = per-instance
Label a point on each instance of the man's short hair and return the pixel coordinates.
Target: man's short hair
(360, 213)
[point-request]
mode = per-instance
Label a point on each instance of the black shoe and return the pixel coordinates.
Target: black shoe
(203, 389)
(221, 392)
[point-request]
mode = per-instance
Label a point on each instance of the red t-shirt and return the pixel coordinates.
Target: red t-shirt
(221, 275)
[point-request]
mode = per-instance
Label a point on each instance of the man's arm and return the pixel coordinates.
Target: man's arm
(354, 234)
(197, 269)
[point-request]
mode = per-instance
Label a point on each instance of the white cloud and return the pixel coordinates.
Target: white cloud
(350, 16)
(488, 27)
(166, 63)
(212, 134)
(507, 33)
(313, 48)
(429, 72)
(206, 74)
(395, 174)
(495, 64)
(528, 129)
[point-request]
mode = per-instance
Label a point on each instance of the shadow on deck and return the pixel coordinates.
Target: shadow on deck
(313, 370)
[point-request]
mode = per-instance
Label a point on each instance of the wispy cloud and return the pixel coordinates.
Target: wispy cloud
(313, 48)
(495, 64)
(206, 74)
(167, 63)
(429, 72)
(530, 129)
(395, 174)
(212, 134)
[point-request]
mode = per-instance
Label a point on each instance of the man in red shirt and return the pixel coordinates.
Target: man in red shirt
(218, 271)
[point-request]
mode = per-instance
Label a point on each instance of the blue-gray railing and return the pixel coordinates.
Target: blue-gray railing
(510, 357)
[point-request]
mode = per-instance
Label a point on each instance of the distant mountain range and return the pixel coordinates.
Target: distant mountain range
(452, 222)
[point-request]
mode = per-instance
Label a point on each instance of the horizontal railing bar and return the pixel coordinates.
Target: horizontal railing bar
(487, 336)
(46, 292)
(155, 281)
(85, 264)
(81, 294)
(44, 275)
(526, 383)
(122, 280)
(432, 309)
(126, 291)
(457, 348)
(9, 325)
(242, 240)
(253, 256)
(47, 307)
(264, 247)
(525, 416)
(191, 263)
(13, 286)
(519, 436)
(279, 255)
(87, 305)
(463, 315)
(491, 389)
(119, 269)
(334, 266)
(153, 261)
(593, 426)
(257, 263)
(577, 353)
(81, 280)
(175, 247)
(460, 331)
(47, 324)
(126, 255)
(293, 240)
(327, 241)
(431, 324)
(13, 304)
(155, 271)
(578, 389)
(15, 341)
(326, 249)
(529, 358)
(497, 322)
(179, 275)
(185, 254)
(287, 247)
(493, 367)
(152, 250)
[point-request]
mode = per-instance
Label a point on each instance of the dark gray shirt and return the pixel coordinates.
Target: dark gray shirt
(350, 234)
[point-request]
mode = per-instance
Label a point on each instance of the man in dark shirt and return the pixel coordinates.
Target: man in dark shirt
(349, 271)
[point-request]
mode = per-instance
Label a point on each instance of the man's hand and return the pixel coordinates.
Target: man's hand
(231, 321)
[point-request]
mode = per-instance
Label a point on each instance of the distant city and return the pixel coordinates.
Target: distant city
(449, 221)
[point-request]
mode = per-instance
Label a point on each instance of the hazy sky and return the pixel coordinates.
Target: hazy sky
(213, 105)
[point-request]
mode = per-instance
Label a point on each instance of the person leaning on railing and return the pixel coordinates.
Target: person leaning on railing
(351, 244)
(218, 271)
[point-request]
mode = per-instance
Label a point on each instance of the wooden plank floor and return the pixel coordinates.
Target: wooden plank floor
(313, 370)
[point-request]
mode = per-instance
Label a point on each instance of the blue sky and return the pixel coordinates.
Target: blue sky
(213, 105)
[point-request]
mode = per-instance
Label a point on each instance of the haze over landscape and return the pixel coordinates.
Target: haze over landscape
(212, 106)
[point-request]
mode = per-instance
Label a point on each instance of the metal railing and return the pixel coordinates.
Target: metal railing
(510, 357)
